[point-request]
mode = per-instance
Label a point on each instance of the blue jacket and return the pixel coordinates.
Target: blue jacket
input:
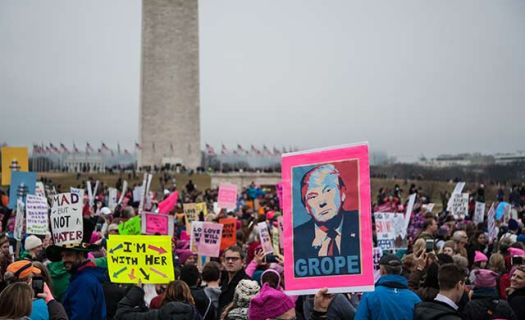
(39, 311)
(84, 298)
(391, 300)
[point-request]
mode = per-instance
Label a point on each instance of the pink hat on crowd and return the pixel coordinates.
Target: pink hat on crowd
(184, 254)
(485, 278)
(270, 215)
(480, 257)
(184, 235)
(516, 252)
(269, 303)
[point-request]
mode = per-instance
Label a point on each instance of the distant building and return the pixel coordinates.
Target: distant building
(508, 158)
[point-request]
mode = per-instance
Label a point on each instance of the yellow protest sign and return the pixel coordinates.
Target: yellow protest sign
(147, 259)
(13, 159)
(201, 207)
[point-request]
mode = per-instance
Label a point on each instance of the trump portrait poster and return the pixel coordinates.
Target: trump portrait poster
(327, 220)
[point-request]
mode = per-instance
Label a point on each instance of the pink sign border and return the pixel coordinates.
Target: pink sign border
(355, 283)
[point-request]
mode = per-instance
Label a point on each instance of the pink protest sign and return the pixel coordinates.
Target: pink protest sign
(227, 196)
(169, 203)
(327, 220)
(210, 239)
(157, 224)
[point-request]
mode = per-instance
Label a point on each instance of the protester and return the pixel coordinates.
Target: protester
(16, 301)
(23, 271)
(271, 303)
(211, 274)
(178, 304)
(516, 292)
(451, 289)
(232, 261)
(190, 274)
(84, 298)
(34, 249)
(392, 298)
(238, 308)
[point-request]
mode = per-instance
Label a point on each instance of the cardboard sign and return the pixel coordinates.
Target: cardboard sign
(21, 183)
(275, 241)
(264, 236)
(13, 159)
(227, 196)
(229, 232)
(137, 193)
(210, 239)
(40, 190)
(479, 212)
(19, 221)
(385, 231)
(131, 227)
(190, 210)
(333, 185)
(66, 219)
(36, 215)
(460, 205)
(144, 259)
(157, 224)
(112, 198)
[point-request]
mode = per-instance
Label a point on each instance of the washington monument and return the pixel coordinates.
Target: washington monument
(169, 108)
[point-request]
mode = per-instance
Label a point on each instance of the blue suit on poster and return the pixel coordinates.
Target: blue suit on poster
(327, 244)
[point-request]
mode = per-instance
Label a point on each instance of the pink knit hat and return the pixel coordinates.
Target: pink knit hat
(516, 252)
(485, 278)
(184, 254)
(480, 257)
(269, 303)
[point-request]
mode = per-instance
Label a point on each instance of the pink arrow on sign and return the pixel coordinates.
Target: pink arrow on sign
(159, 250)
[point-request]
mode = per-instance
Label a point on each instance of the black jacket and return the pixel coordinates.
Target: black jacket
(434, 310)
(304, 235)
(228, 289)
(132, 307)
(203, 303)
(517, 302)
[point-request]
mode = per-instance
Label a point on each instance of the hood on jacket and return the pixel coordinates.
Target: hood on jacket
(57, 269)
(434, 310)
(392, 279)
(177, 311)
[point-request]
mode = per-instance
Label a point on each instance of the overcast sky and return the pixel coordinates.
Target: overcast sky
(411, 77)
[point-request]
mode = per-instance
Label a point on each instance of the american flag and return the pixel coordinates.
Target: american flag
(64, 148)
(138, 146)
(75, 149)
(224, 150)
(54, 148)
(104, 147)
(89, 148)
(210, 150)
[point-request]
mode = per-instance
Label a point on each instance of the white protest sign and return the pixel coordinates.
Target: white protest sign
(429, 207)
(385, 231)
(457, 190)
(123, 193)
(399, 225)
(479, 213)
(195, 236)
(410, 207)
(19, 220)
(137, 192)
(264, 235)
(91, 199)
(491, 223)
(40, 189)
(112, 198)
(460, 205)
(210, 239)
(36, 215)
(66, 219)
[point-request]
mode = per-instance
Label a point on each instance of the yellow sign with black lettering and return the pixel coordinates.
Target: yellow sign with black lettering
(144, 259)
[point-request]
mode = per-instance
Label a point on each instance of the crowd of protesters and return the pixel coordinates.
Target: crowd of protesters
(462, 275)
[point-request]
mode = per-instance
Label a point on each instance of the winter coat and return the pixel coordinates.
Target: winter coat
(132, 307)
(435, 310)
(517, 302)
(203, 303)
(39, 311)
(391, 300)
(84, 298)
(56, 310)
(60, 279)
(228, 289)
(339, 309)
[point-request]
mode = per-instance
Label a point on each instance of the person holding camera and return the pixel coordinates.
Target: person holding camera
(15, 301)
(23, 271)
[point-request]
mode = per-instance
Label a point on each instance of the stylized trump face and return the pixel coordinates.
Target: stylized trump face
(321, 192)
